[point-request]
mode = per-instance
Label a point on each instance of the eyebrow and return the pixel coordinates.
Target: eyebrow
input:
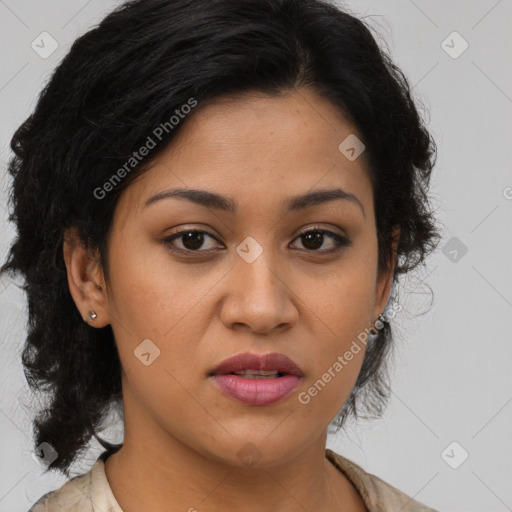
(219, 202)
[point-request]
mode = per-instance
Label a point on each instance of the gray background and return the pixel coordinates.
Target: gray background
(451, 373)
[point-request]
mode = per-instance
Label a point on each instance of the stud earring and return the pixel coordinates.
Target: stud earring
(372, 335)
(92, 316)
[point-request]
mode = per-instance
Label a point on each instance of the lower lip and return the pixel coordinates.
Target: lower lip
(257, 391)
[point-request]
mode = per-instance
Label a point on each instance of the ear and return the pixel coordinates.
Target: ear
(85, 279)
(385, 279)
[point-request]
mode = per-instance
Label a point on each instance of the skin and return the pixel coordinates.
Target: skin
(182, 434)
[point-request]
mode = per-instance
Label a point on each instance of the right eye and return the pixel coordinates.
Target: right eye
(191, 240)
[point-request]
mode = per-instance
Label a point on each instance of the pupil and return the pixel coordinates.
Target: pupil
(316, 238)
(193, 240)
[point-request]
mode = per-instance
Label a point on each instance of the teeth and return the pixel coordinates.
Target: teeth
(259, 376)
(255, 374)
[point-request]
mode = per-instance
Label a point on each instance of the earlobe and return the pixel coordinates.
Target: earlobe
(85, 280)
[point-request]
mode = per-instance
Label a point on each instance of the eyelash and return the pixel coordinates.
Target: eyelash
(341, 241)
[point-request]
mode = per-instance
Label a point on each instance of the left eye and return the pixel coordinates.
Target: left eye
(314, 239)
(192, 240)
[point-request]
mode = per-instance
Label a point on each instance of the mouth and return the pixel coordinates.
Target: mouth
(257, 379)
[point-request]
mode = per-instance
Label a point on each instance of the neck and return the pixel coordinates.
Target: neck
(156, 471)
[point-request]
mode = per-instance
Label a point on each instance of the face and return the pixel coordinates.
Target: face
(194, 282)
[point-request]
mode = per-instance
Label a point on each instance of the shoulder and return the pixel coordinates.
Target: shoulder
(73, 496)
(88, 492)
(378, 495)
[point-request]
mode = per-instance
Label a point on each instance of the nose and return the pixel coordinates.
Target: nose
(259, 299)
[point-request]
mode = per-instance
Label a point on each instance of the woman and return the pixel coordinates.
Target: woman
(214, 202)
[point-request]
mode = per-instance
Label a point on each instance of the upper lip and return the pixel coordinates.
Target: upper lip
(249, 361)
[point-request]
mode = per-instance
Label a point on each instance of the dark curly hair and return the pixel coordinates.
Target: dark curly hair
(129, 74)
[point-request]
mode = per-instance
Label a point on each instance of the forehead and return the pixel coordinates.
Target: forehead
(261, 147)
(253, 118)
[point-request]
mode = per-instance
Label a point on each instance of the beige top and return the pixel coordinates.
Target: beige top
(91, 491)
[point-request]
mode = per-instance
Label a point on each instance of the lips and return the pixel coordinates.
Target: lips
(257, 380)
(251, 363)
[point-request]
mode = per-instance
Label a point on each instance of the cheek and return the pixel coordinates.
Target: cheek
(342, 309)
(325, 394)
(344, 300)
(155, 299)
(337, 362)
(150, 292)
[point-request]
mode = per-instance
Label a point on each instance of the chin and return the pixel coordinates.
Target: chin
(252, 450)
